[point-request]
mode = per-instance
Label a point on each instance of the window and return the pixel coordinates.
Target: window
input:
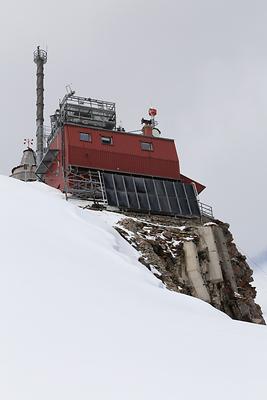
(106, 140)
(147, 146)
(85, 137)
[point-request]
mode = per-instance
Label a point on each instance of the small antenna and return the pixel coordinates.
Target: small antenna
(29, 142)
(69, 90)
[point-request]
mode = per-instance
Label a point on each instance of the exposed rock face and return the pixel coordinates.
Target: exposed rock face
(195, 258)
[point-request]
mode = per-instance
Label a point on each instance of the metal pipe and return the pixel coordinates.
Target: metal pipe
(40, 58)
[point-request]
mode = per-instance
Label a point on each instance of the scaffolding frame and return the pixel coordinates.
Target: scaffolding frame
(83, 111)
(85, 184)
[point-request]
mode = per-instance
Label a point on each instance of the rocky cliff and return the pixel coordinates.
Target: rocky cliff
(197, 258)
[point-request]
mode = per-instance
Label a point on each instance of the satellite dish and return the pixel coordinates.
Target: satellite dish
(156, 132)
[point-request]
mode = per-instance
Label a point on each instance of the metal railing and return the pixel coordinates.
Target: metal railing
(205, 210)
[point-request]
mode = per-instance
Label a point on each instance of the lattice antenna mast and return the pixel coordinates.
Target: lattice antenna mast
(40, 58)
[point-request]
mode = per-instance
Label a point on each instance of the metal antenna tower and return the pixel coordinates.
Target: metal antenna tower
(40, 58)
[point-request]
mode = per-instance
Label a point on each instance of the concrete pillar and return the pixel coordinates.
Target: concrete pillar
(224, 256)
(194, 272)
(214, 268)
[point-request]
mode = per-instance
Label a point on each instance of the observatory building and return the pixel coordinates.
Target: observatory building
(88, 156)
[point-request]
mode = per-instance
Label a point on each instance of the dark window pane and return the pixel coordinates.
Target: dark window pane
(108, 181)
(122, 199)
(150, 186)
(189, 191)
(143, 201)
(192, 199)
(159, 187)
(106, 140)
(146, 146)
(154, 204)
(182, 198)
(85, 137)
(174, 205)
(164, 204)
(179, 189)
(119, 182)
(112, 201)
(140, 186)
(129, 183)
(133, 201)
(169, 188)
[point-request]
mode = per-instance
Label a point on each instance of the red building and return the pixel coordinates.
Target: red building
(88, 156)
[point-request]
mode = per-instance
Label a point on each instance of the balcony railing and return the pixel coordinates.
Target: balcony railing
(205, 210)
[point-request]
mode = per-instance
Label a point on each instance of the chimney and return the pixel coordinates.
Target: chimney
(147, 130)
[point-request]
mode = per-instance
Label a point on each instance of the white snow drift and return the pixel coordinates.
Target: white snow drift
(82, 319)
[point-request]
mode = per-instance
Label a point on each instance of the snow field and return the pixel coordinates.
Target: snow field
(81, 318)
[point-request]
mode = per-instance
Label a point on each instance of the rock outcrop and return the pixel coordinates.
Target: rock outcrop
(197, 258)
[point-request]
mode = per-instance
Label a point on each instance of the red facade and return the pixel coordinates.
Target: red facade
(113, 151)
(123, 154)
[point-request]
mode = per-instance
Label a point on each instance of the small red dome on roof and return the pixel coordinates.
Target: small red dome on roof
(152, 112)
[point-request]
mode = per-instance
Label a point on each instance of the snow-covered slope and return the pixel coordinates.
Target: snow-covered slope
(82, 319)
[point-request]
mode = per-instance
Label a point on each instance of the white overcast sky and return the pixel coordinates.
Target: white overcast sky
(202, 63)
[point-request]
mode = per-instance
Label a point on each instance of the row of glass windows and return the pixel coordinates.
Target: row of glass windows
(86, 137)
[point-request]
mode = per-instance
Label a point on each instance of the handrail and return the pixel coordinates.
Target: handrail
(205, 210)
